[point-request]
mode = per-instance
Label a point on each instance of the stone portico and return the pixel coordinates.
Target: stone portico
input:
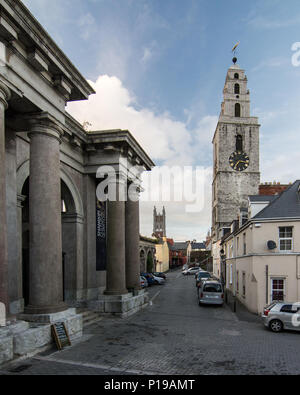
(49, 257)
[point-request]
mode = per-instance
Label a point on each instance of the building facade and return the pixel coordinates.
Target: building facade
(162, 255)
(263, 255)
(60, 246)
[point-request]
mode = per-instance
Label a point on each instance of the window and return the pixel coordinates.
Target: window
(225, 231)
(212, 288)
(286, 238)
(244, 244)
(237, 89)
(237, 246)
(230, 275)
(277, 289)
(239, 143)
(63, 206)
(236, 76)
(237, 110)
(288, 308)
(237, 281)
(244, 284)
(244, 217)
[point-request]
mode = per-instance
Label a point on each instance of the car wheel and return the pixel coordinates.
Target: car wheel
(199, 303)
(156, 282)
(276, 326)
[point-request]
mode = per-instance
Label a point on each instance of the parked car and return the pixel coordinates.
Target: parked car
(211, 293)
(200, 270)
(191, 270)
(282, 315)
(202, 275)
(159, 280)
(159, 274)
(144, 282)
(149, 277)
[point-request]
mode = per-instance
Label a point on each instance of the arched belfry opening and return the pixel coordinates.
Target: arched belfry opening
(237, 110)
(71, 232)
(239, 143)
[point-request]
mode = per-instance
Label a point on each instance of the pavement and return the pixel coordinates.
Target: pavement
(173, 336)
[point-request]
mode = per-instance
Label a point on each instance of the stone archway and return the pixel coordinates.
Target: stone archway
(72, 235)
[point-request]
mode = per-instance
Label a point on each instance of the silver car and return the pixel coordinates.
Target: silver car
(211, 292)
(191, 270)
(282, 315)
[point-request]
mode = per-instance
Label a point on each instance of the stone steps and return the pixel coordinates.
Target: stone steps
(89, 317)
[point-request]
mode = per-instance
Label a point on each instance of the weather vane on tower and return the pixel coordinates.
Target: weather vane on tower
(234, 52)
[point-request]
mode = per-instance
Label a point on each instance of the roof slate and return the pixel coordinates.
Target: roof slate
(285, 205)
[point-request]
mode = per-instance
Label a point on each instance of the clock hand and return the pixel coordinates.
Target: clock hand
(236, 164)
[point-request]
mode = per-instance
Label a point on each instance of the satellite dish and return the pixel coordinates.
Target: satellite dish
(271, 245)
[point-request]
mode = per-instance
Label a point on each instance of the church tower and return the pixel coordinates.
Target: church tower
(159, 223)
(235, 153)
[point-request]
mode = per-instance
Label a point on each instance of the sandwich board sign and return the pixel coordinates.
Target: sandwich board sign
(60, 335)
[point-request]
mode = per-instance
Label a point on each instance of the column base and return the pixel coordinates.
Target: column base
(25, 339)
(119, 305)
(117, 292)
(49, 318)
(45, 309)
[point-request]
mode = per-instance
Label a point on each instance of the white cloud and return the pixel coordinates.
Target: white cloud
(165, 139)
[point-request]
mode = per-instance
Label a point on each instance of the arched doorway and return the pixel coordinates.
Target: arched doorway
(72, 242)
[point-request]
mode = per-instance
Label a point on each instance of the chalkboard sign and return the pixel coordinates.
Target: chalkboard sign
(60, 334)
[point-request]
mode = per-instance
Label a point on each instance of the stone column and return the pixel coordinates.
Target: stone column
(115, 274)
(132, 232)
(4, 96)
(46, 287)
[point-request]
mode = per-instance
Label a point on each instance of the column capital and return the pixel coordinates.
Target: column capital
(44, 123)
(4, 94)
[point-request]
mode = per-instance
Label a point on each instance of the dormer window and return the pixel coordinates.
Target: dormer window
(237, 110)
(237, 89)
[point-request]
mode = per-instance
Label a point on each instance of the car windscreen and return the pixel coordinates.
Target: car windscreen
(212, 288)
(203, 275)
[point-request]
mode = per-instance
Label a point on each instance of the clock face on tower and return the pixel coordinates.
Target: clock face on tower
(239, 161)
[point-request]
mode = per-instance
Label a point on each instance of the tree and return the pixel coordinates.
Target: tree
(149, 263)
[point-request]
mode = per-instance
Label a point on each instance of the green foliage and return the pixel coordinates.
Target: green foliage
(149, 263)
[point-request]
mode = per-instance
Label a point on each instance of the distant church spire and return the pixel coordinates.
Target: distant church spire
(159, 223)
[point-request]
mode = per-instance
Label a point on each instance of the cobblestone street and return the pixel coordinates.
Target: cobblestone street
(173, 335)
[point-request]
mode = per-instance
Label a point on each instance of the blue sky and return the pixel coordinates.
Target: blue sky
(166, 62)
